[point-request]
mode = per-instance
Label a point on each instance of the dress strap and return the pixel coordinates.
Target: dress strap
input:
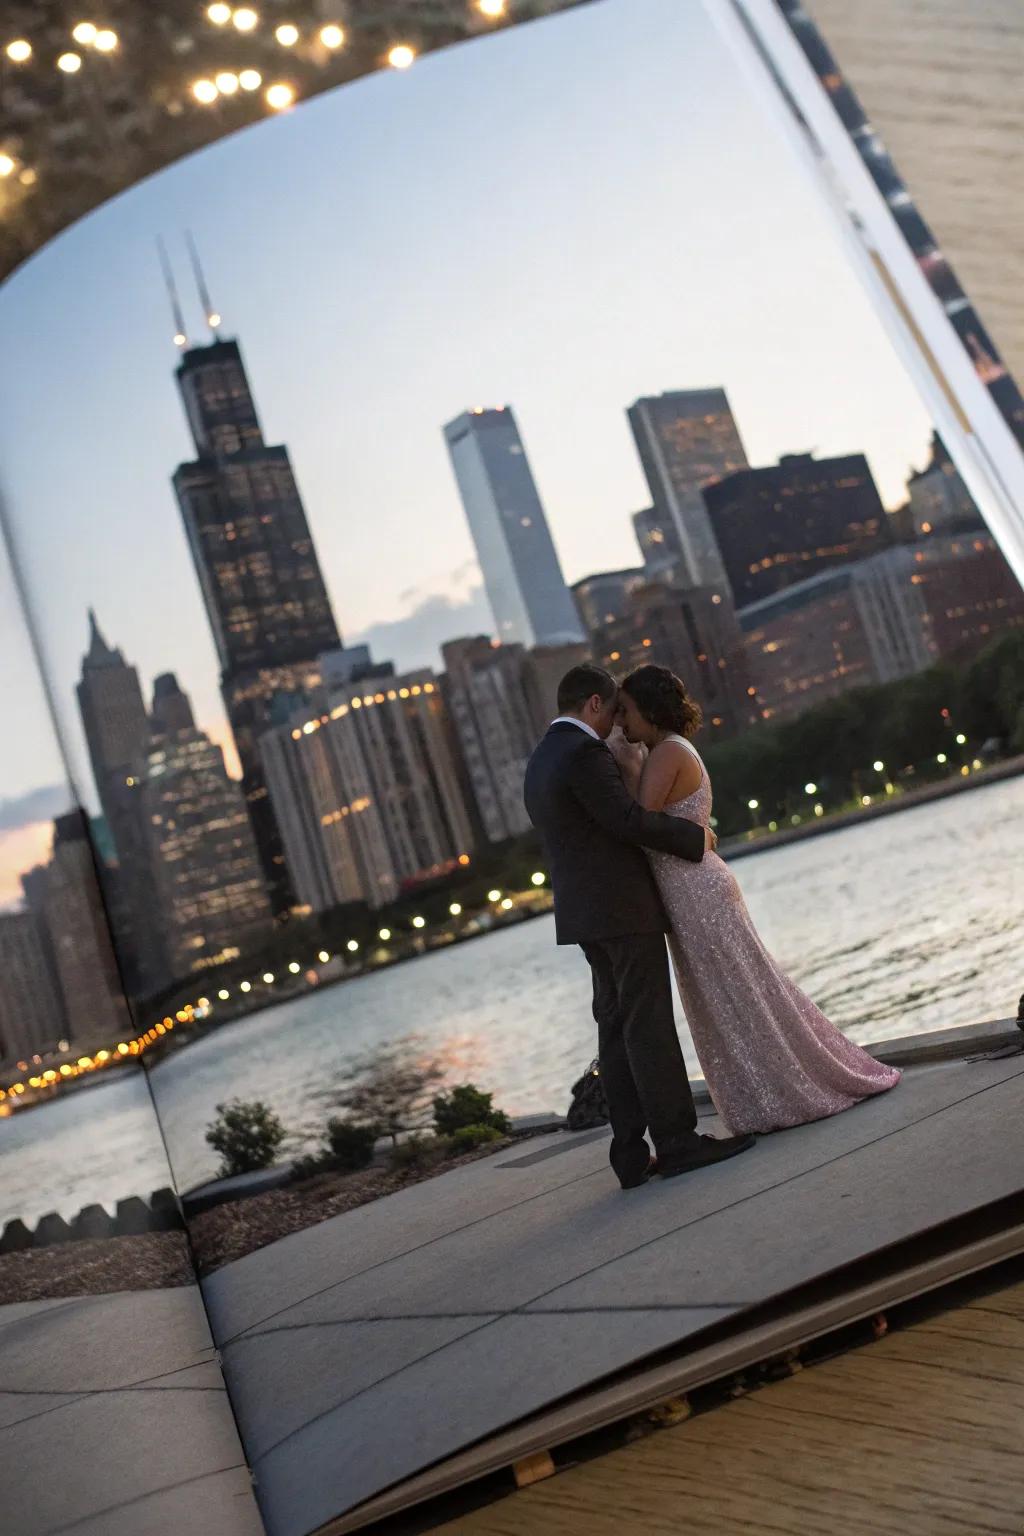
(682, 741)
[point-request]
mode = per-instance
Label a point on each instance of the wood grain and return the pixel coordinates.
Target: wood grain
(941, 81)
(919, 1434)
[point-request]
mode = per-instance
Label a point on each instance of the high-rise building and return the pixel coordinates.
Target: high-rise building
(31, 1016)
(171, 710)
(969, 591)
(483, 689)
(351, 664)
(658, 543)
(261, 582)
(779, 525)
(604, 597)
(367, 793)
(693, 633)
(114, 718)
(75, 918)
(543, 670)
(207, 898)
(687, 439)
(525, 587)
(855, 625)
(939, 499)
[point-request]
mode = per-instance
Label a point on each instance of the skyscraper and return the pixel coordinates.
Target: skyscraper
(525, 587)
(848, 627)
(483, 689)
(604, 597)
(939, 500)
(114, 719)
(368, 793)
(686, 439)
(172, 707)
(261, 582)
(93, 996)
(779, 525)
(695, 634)
(31, 1017)
(206, 895)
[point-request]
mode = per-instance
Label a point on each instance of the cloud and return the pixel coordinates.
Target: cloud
(38, 805)
(21, 849)
(415, 641)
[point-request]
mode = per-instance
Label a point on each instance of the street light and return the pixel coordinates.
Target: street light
(810, 789)
(352, 946)
(753, 805)
(961, 740)
(384, 934)
(493, 895)
(419, 922)
(455, 909)
(878, 765)
(295, 967)
(538, 878)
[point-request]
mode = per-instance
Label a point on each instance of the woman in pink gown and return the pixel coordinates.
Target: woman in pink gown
(770, 1057)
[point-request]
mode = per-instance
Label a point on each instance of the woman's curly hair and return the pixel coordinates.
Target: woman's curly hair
(662, 699)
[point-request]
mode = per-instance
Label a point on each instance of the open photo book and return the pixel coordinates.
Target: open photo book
(367, 371)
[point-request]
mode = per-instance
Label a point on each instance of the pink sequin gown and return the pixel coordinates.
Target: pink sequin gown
(770, 1057)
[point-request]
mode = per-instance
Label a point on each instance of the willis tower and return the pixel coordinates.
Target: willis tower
(261, 582)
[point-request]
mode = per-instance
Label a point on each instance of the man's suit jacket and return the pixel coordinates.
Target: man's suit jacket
(594, 833)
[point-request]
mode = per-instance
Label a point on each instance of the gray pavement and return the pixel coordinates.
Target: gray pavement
(365, 1348)
(114, 1420)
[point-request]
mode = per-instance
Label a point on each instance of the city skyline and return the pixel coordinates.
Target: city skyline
(586, 466)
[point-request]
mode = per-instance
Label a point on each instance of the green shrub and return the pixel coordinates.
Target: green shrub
(417, 1154)
(350, 1146)
(246, 1134)
(467, 1137)
(464, 1107)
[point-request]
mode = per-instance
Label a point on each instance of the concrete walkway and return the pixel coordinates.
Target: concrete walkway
(114, 1420)
(370, 1346)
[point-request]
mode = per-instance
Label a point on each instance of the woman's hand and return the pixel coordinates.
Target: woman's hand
(630, 759)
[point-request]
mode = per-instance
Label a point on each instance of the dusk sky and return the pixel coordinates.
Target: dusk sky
(562, 217)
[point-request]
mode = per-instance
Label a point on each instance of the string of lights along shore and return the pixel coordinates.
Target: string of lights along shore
(768, 588)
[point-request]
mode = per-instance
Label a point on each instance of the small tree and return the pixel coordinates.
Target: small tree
(247, 1135)
(389, 1088)
(467, 1106)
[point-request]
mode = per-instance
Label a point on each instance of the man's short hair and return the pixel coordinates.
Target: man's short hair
(580, 684)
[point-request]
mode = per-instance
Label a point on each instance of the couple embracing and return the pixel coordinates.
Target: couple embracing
(622, 801)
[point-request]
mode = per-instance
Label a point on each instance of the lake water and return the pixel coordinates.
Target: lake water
(911, 923)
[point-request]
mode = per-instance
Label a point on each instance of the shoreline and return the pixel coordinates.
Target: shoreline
(534, 906)
(944, 789)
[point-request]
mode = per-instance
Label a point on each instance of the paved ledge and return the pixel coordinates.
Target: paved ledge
(368, 1347)
(114, 1420)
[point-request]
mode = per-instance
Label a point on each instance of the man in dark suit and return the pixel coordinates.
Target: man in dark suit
(606, 901)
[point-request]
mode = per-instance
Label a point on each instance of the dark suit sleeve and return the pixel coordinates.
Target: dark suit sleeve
(595, 780)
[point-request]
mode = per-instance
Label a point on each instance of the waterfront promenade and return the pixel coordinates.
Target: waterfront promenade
(387, 1341)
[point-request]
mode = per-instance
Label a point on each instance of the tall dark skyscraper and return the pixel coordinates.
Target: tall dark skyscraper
(114, 719)
(261, 583)
(781, 524)
(686, 439)
(172, 708)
